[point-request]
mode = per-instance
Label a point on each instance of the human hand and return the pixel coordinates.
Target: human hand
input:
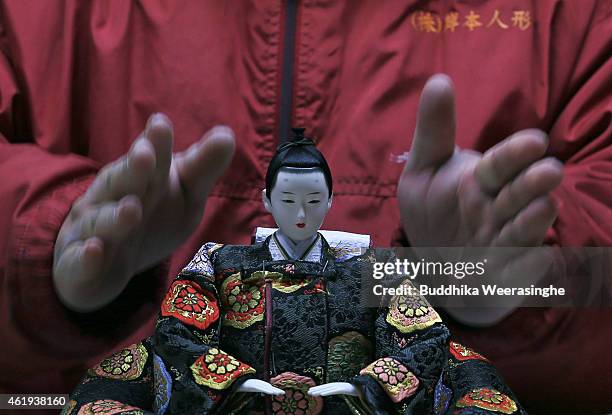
(260, 386)
(454, 197)
(137, 210)
(335, 388)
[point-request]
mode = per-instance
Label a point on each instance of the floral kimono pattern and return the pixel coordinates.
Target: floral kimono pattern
(239, 312)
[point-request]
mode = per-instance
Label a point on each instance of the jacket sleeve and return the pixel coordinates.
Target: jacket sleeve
(581, 137)
(37, 189)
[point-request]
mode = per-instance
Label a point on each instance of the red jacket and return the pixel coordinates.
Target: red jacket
(78, 80)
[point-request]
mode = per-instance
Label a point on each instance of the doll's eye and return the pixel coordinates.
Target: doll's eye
(313, 202)
(288, 201)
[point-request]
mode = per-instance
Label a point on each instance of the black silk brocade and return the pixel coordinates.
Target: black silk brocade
(307, 324)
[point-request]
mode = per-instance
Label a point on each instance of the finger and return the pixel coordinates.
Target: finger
(130, 174)
(111, 221)
(276, 391)
(159, 133)
(313, 392)
(320, 390)
(84, 258)
(505, 160)
(529, 266)
(530, 225)
(473, 204)
(77, 269)
(443, 198)
(538, 180)
(410, 189)
(434, 137)
(203, 163)
(326, 392)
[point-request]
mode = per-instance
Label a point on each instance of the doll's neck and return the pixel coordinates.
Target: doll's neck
(295, 249)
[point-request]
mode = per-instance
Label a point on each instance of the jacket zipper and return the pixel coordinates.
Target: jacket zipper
(287, 71)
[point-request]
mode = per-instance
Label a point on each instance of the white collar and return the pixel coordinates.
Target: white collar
(282, 248)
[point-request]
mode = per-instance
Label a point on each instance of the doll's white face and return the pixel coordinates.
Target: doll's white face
(298, 202)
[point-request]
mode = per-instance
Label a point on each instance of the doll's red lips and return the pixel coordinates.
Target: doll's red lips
(300, 225)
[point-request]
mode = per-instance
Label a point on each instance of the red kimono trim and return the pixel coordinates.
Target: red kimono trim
(488, 399)
(191, 304)
(243, 302)
(460, 352)
(218, 370)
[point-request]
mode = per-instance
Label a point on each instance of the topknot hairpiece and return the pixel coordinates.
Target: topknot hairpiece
(299, 140)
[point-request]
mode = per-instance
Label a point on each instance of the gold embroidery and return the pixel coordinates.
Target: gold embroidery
(126, 364)
(279, 281)
(521, 19)
(217, 370)
(451, 21)
(496, 20)
(430, 22)
(461, 352)
(109, 407)
(69, 407)
(346, 355)
(204, 338)
(318, 373)
(488, 399)
(409, 313)
(426, 22)
(296, 396)
(243, 301)
(187, 301)
(395, 378)
(472, 21)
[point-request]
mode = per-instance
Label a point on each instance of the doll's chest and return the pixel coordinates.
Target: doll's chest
(301, 315)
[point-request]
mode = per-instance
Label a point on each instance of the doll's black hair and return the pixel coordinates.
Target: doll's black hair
(298, 153)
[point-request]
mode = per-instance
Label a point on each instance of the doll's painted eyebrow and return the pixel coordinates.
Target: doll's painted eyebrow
(315, 193)
(289, 193)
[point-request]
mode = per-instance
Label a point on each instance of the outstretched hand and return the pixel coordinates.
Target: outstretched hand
(335, 388)
(260, 386)
(135, 213)
(454, 197)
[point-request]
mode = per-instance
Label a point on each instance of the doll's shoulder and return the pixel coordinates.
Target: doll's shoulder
(203, 261)
(213, 257)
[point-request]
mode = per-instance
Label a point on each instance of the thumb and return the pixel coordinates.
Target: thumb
(434, 137)
(204, 162)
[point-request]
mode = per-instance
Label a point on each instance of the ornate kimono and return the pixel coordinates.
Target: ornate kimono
(241, 312)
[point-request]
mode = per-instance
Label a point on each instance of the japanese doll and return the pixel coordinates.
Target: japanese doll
(278, 327)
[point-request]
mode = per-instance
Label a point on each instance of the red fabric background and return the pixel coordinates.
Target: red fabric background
(79, 79)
